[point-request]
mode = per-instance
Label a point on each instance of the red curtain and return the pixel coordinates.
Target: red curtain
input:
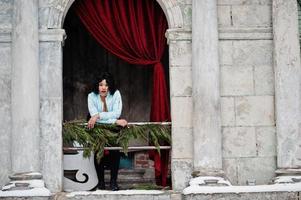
(133, 30)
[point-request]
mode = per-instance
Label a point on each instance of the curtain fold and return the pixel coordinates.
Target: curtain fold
(133, 30)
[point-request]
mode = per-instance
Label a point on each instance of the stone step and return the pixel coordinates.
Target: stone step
(161, 195)
(116, 195)
(130, 178)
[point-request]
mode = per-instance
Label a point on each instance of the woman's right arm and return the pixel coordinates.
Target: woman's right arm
(93, 111)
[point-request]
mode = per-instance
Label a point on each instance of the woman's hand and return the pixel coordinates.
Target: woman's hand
(92, 121)
(121, 122)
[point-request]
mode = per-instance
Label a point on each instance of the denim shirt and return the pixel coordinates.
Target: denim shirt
(114, 106)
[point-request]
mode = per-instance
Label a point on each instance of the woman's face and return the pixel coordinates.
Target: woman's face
(103, 88)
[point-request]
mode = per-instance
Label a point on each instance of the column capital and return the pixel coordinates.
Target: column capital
(52, 35)
(178, 34)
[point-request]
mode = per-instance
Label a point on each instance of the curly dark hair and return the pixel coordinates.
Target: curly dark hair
(110, 81)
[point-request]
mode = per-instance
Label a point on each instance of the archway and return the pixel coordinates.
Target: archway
(51, 21)
(83, 60)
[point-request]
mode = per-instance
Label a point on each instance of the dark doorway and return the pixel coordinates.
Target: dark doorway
(84, 59)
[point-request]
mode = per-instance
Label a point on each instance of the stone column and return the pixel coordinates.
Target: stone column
(206, 89)
(51, 110)
(25, 87)
(287, 86)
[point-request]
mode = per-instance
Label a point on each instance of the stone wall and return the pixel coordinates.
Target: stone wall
(5, 88)
(247, 90)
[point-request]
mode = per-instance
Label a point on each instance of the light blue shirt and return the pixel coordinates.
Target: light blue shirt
(114, 106)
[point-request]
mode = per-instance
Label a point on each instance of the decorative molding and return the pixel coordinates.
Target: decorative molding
(241, 33)
(225, 33)
(59, 8)
(5, 35)
(45, 35)
(240, 2)
(52, 35)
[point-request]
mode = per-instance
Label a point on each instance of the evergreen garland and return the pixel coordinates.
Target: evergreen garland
(110, 135)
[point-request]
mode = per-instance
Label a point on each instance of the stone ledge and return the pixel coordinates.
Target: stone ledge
(245, 196)
(115, 195)
(26, 198)
(169, 195)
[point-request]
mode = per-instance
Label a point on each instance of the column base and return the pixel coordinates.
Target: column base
(288, 172)
(214, 177)
(211, 172)
(284, 176)
(26, 176)
(209, 181)
(26, 181)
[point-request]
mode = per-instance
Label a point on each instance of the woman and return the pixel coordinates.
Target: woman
(105, 105)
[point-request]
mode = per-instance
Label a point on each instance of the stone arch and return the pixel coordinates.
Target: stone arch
(51, 19)
(59, 9)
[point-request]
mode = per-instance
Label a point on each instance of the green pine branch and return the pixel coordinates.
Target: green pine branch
(108, 135)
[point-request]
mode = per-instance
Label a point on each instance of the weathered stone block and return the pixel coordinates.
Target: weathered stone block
(50, 70)
(5, 143)
(227, 111)
(225, 52)
(266, 141)
(5, 87)
(5, 61)
(6, 7)
(252, 15)
(5, 119)
(6, 10)
(245, 196)
(176, 196)
(180, 81)
(224, 15)
(260, 169)
(180, 53)
(239, 142)
(160, 197)
(237, 81)
(264, 80)
(184, 1)
(181, 173)
(230, 169)
(43, 16)
(181, 112)
(182, 143)
(187, 15)
(255, 111)
(50, 112)
(5, 22)
(252, 53)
